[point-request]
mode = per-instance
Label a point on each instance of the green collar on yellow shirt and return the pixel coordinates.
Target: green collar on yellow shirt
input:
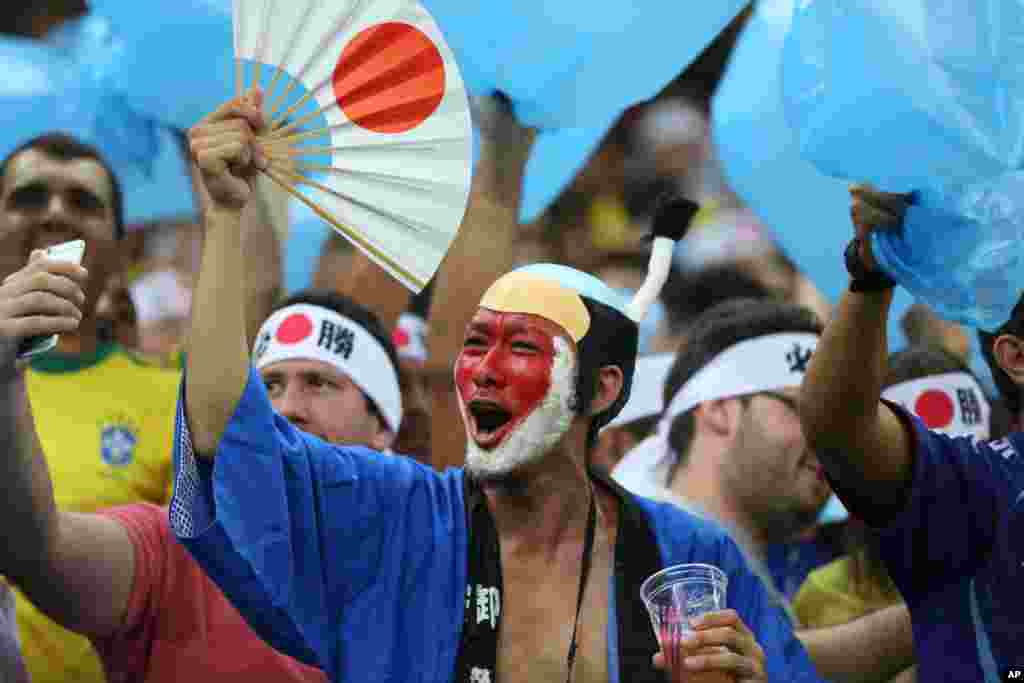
(56, 362)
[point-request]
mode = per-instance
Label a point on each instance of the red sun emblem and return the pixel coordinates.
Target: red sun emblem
(390, 78)
(935, 408)
(294, 329)
(400, 338)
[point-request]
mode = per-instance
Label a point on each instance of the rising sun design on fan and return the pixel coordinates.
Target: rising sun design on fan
(369, 123)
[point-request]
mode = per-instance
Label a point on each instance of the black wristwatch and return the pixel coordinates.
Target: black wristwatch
(862, 279)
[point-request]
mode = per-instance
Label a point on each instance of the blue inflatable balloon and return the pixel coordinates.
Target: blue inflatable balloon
(574, 63)
(807, 212)
(63, 84)
(925, 97)
(571, 68)
(177, 58)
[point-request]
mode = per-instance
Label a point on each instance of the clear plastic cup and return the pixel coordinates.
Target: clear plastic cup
(675, 596)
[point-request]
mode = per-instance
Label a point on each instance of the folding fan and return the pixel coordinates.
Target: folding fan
(369, 121)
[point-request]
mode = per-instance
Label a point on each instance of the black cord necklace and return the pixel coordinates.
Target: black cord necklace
(586, 561)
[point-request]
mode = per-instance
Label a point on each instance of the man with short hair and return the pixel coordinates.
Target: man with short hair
(104, 416)
(729, 442)
(331, 369)
(117, 576)
(947, 510)
(522, 565)
(730, 445)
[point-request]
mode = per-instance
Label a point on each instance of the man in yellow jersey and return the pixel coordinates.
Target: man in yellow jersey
(105, 418)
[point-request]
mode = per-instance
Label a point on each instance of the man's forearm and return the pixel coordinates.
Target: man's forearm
(218, 354)
(865, 448)
(844, 379)
(875, 647)
(28, 515)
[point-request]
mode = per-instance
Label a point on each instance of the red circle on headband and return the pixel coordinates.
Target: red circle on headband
(935, 408)
(400, 338)
(294, 329)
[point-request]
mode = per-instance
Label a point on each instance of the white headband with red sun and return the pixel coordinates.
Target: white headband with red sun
(952, 403)
(308, 332)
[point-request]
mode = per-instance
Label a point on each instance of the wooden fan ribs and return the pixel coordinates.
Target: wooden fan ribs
(286, 61)
(342, 25)
(283, 181)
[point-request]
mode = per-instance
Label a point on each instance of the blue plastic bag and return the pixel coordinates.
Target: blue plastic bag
(806, 212)
(177, 58)
(64, 84)
(923, 96)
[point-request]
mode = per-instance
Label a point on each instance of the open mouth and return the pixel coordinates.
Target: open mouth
(488, 422)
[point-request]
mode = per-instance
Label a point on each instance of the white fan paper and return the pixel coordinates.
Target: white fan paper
(371, 125)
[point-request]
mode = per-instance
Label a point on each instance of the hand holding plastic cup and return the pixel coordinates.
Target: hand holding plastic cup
(676, 596)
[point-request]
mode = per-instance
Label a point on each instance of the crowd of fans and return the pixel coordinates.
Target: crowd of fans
(760, 403)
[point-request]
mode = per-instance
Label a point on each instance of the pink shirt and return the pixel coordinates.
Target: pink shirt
(179, 626)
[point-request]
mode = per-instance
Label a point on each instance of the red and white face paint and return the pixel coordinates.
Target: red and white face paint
(515, 382)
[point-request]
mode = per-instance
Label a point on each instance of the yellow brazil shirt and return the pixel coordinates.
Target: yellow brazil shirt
(829, 597)
(106, 423)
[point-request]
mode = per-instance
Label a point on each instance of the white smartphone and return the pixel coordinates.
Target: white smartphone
(68, 251)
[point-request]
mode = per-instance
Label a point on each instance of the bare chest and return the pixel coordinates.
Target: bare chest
(537, 620)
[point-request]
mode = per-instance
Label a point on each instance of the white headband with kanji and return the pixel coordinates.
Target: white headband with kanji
(308, 332)
(766, 363)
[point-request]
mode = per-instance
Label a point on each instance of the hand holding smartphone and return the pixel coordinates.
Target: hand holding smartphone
(68, 251)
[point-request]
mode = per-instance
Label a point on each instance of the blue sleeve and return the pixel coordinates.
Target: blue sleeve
(258, 519)
(785, 657)
(949, 522)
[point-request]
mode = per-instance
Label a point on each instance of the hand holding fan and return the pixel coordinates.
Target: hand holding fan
(369, 123)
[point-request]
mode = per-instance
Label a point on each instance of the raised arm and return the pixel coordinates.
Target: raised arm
(263, 221)
(218, 353)
(862, 444)
(481, 253)
(76, 568)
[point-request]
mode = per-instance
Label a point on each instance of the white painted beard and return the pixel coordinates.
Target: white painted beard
(538, 433)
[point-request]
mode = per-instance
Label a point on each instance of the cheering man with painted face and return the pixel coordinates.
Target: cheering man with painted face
(521, 566)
